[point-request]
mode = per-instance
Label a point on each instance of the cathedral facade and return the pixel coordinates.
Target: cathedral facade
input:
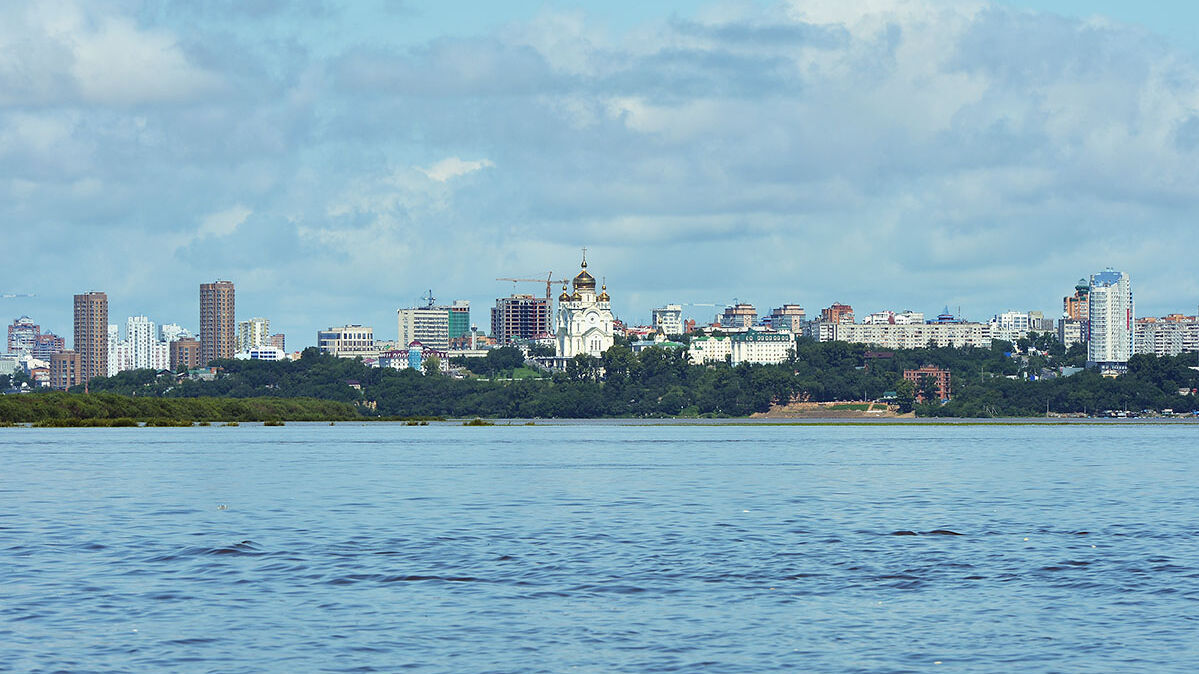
(584, 320)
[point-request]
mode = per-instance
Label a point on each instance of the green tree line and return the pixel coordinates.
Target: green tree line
(660, 382)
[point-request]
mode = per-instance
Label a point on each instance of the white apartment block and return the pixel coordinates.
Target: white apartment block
(172, 332)
(898, 336)
(145, 349)
(428, 325)
(252, 334)
(1111, 318)
(348, 341)
(1166, 337)
(906, 317)
(669, 319)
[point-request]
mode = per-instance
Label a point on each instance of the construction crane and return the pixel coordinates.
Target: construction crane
(11, 295)
(548, 281)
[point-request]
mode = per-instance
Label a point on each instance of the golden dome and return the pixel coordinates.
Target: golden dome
(584, 281)
(576, 297)
(565, 296)
(603, 297)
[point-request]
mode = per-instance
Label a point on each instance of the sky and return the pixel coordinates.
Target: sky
(337, 160)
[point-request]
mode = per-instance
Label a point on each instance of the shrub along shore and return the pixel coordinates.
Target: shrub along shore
(110, 409)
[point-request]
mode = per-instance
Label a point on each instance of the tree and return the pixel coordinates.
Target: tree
(432, 365)
(905, 395)
(583, 367)
(541, 351)
(927, 389)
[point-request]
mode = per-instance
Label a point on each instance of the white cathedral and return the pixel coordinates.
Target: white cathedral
(584, 320)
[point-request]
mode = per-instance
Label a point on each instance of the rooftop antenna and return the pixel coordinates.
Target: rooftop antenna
(429, 297)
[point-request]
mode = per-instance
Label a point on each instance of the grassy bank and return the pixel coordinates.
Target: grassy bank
(109, 409)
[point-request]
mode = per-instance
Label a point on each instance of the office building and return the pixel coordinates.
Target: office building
(253, 333)
(429, 325)
(91, 334)
(184, 354)
(668, 319)
(1110, 319)
(740, 315)
(459, 319)
(66, 370)
(347, 341)
(218, 338)
(520, 317)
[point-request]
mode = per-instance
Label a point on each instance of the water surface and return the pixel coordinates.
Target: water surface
(600, 548)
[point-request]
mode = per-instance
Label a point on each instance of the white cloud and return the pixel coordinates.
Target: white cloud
(453, 167)
(223, 223)
(54, 53)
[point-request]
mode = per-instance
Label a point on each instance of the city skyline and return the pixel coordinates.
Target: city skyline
(942, 167)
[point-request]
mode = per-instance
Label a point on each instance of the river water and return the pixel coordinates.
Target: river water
(596, 547)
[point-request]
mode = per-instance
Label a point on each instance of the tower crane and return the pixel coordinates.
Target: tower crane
(548, 281)
(12, 295)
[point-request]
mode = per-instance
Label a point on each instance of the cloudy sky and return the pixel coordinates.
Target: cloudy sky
(336, 160)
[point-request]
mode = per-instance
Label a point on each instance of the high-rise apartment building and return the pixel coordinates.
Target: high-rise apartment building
(22, 335)
(788, 318)
(1110, 320)
(91, 334)
(47, 345)
(279, 341)
(520, 317)
(1076, 307)
(169, 332)
(146, 352)
(253, 333)
(837, 313)
(740, 315)
(217, 336)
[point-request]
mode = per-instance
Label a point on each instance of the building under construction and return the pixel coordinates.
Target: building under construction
(520, 317)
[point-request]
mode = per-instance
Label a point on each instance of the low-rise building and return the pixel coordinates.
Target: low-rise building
(269, 353)
(66, 370)
(184, 353)
(347, 341)
(752, 346)
(941, 377)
